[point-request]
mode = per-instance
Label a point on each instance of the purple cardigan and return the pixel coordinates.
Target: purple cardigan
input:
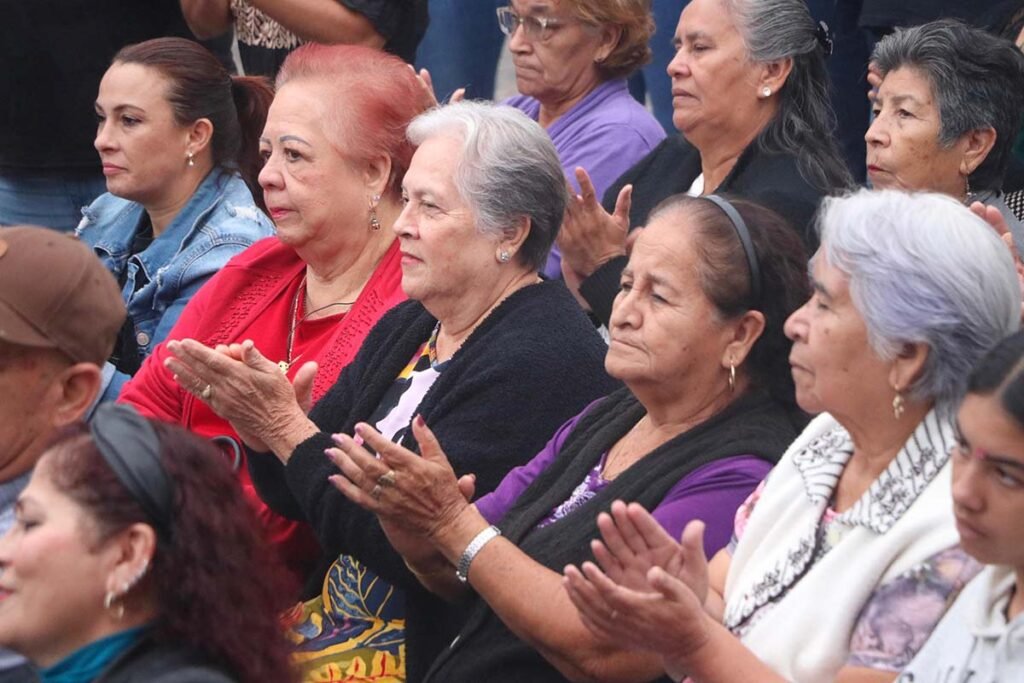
(711, 493)
(606, 133)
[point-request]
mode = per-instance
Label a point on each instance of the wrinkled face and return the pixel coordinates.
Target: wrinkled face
(29, 385)
(664, 330)
(988, 482)
(52, 584)
(142, 149)
(903, 150)
(443, 252)
(832, 362)
(311, 189)
(712, 79)
(559, 65)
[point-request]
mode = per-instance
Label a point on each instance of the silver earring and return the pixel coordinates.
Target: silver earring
(766, 91)
(108, 603)
(191, 158)
(504, 256)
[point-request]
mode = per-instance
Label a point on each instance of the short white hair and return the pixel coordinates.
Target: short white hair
(924, 269)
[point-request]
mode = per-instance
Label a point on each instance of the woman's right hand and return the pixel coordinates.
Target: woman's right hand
(634, 543)
(590, 236)
(249, 391)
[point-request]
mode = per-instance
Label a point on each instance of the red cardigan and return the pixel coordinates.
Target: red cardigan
(250, 299)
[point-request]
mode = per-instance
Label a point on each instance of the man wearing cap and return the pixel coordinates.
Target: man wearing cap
(60, 312)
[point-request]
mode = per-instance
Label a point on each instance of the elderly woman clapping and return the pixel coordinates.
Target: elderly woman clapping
(491, 356)
(750, 97)
(947, 113)
(909, 292)
(696, 337)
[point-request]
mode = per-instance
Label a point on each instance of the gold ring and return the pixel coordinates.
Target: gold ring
(387, 479)
(206, 393)
(376, 491)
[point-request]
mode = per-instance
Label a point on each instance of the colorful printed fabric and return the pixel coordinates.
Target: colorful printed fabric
(355, 630)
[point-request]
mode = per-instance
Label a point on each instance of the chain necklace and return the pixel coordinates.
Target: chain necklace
(295, 321)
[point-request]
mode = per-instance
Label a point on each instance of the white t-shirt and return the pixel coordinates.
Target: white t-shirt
(974, 643)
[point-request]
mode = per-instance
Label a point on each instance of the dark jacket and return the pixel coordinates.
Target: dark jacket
(152, 662)
(532, 364)
(769, 179)
(486, 650)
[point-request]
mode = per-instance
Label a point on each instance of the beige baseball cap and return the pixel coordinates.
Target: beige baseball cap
(56, 293)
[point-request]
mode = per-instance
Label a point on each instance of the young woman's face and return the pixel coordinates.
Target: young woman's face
(988, 482)
(52, 581)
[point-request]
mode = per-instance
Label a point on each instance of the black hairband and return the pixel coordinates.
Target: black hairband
(130, 446)
(748, 244)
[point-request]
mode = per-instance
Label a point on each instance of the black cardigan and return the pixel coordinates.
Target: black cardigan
(486, 650)
(769, 179)
(532, 364)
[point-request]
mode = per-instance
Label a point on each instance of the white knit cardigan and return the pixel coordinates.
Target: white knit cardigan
(796, 608)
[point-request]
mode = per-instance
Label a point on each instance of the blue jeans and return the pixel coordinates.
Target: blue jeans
(462, 46)
(51, 200)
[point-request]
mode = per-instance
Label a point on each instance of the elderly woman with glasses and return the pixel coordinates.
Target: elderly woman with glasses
(572, 59)
(845, 558)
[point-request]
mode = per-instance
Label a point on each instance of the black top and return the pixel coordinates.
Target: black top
(886, 14)
(401, 22)
(54, 53)
(770, 179)
(532, 364)
(486, 650)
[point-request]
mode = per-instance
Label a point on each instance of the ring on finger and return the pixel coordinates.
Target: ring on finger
(376, 491)
(387, 479)
(206, 392)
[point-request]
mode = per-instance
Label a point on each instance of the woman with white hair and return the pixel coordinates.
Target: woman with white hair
(845, 558)
(491, 356)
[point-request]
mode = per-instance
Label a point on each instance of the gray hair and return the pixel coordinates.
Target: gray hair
(924, 269)
(508, 169)
(804, 124)
(976, 78)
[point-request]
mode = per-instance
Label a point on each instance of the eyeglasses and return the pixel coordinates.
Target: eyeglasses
(537, 28)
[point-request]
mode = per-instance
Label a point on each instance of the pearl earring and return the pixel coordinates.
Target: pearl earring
(191, 158)
(504, 256)
(766, 91)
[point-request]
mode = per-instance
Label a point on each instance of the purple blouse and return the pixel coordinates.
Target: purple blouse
(711, 493)
(606, 133)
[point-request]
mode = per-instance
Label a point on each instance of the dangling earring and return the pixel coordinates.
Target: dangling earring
(967, 187)
(108, 602)
(374, 220)
(732, 376)
(504, 256)
(191, 158)
(766, 91)
(897, 405)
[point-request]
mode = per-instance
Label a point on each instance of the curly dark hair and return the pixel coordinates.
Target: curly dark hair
(725, 279)
(217, 586)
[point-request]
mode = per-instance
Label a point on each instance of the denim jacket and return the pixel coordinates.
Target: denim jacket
(219, 221)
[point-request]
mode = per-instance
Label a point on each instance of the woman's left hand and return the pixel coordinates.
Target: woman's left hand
(247, 390)
(417, 492)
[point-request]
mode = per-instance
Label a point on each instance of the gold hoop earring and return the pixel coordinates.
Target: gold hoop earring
(108, 603)
(732, 377)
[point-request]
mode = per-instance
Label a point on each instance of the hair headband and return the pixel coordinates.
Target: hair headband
(129, 445)
(748, 244)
